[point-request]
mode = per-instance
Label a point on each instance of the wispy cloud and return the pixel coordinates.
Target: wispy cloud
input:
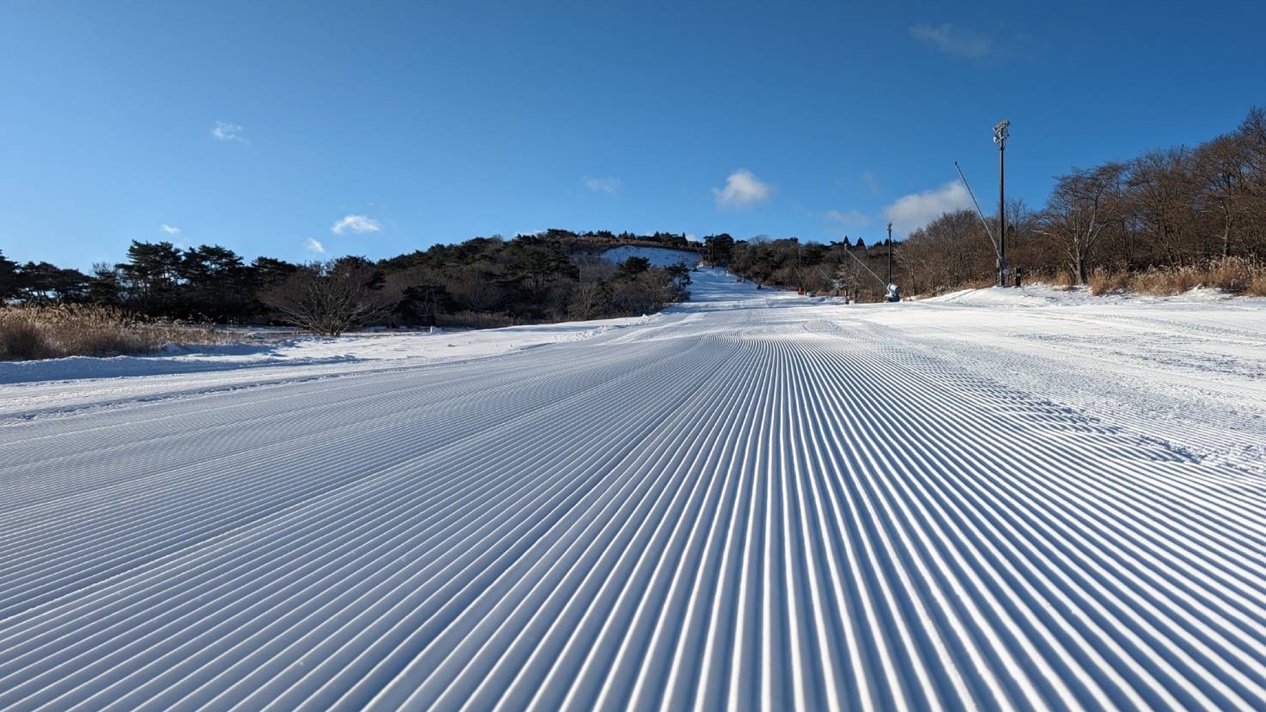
(955, 41)
(610, 186)
(355, 223)
(312, 245)
(851, 218)
(169, 229)
(225, 131)
(742, 190)
(911, 212)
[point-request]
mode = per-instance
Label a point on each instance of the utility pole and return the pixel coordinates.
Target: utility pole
(1001, 132)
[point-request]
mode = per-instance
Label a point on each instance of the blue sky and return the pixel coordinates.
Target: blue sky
(376, 128)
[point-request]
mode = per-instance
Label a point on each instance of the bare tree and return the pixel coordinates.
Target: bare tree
(1253, 130)
(1224, 167)
(330, 297)
(474, 288)
(950, 251)
(588, 300)
(854, 277)
(1161, 206)
(1080, 210)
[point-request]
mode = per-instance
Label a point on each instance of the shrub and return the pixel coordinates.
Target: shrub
(330, 298)
(468, 318)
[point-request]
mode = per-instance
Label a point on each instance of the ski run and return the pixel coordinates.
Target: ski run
(1001, 499)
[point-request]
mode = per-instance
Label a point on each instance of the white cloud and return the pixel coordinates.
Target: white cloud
(225, 131)
(169, 229)
(911, 212)
(742, 189)
(691, 237)
(957, 41)
(312, 245)
(355, 223)
(851, 218)
(610, 186)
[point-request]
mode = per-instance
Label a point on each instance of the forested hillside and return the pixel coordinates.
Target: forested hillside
(481, 282)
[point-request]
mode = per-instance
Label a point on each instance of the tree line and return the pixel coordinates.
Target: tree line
(1192, 210)
(1169, 209)
(1184, 210)
(486, 281)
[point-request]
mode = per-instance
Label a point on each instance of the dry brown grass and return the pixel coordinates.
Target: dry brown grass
(982, 283)
(1165, 282)
(1063, 280)
(1102, 281)
(1257, 286)
(1234, 275)
(1238, 276)
(32, 332)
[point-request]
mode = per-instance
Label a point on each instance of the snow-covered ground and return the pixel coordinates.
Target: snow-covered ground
(999, 498)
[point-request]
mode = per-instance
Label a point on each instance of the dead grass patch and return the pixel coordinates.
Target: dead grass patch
(1102, 281)
(35, 332)
(1233, 275)
(1062, 280)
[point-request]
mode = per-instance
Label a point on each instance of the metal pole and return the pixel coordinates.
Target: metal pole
(1000, 133)
(1002, 215)
(889, 253)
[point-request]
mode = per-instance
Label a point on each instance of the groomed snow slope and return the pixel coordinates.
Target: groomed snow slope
(754, 500)
(657, 256)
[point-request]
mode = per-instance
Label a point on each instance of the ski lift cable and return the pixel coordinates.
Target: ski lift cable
(996, 249)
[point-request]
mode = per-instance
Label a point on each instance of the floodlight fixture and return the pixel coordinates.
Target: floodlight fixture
(1001, 132)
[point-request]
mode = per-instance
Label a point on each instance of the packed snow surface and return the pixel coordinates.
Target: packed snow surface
(998, 499)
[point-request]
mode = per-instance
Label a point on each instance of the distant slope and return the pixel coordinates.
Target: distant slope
(658, 256)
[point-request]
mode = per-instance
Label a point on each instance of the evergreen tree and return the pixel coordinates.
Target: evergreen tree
(8, 278)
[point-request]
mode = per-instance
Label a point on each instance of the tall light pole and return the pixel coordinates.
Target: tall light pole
(889, 253)
(1001, 131)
